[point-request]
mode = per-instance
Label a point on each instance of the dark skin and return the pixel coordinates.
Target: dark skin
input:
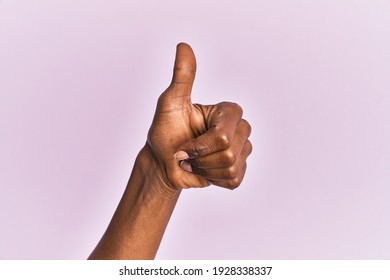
(188, 146)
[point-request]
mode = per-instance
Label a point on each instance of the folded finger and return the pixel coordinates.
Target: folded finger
(229, 156)
(232, 183)
(222, 120)
(227, 173)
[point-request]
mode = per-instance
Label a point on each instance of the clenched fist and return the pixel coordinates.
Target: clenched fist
(197, 145)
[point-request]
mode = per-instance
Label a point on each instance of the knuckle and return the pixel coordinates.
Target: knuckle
(249, 147)
(229, 157)
(247, 126)
(230, 107)
(232, 172)
(238, 109)
(222, 140)
(234, 183)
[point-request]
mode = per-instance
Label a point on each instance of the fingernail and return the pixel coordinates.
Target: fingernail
(181, 155)
(186, 166)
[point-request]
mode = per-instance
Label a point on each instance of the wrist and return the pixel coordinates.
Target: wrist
(139, 222)
(150, 169)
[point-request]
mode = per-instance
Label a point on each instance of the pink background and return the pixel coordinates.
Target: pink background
(79, 82)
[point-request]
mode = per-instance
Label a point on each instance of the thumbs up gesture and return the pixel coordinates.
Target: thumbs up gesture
(197, 145)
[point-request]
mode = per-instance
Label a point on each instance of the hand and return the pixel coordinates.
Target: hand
(197, 145)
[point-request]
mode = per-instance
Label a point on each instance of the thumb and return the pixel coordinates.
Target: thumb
(184, 70)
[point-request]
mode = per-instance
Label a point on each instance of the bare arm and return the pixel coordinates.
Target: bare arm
(139, 222)
(189, 145)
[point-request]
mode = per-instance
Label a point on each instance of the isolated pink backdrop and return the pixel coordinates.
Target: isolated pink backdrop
(79, 82)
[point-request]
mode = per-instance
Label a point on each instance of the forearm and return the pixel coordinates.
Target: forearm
(139, 222)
